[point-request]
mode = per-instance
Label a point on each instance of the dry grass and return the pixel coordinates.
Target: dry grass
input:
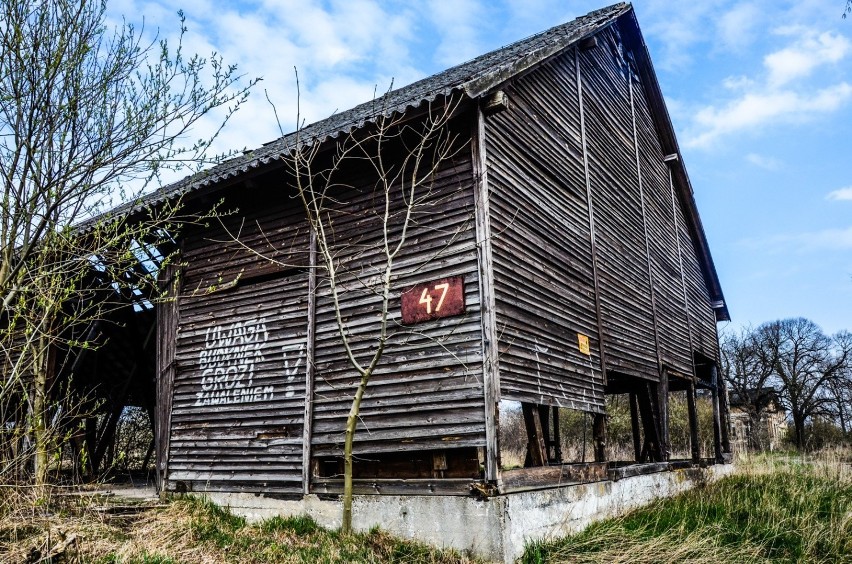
(185, 530)
(777, 508)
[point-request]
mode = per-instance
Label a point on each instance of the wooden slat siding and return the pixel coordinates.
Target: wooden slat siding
(254, 445)
(427, 390)
(665, 261)
(542, 257)
(622, 263)
(702, 317)
(266, 218)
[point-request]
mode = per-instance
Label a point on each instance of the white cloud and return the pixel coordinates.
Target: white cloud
(761, 161)
(822, 240)
(735, 26)
(738, 83)
(458, 22)
(343, 51)
(755, 109)
(808, 52)
(783, 93)
(675, 25)
(844, 194)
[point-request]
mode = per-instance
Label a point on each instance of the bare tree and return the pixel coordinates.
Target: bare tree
(401, 156)
(806, 360)
(748, 360)
(839, 388)
(86, 114)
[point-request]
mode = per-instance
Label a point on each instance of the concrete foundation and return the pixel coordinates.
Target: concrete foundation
(497, 528)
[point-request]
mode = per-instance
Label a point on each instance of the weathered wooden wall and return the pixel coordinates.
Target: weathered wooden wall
(243, 314)
(543, 278)
(626, 305)
(654, 302)
(239, 385)
(661, 204)
(427, 392)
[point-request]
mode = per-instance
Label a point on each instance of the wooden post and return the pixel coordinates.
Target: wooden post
(557, 436)
(693, 423)
(536, 449)
(665, 443)
(307, 422)
(599, 435)
(649, 411)
(717, 427)
(634, 427)
(490, 366)
(544, 417)
(167, 329)
(724, 421)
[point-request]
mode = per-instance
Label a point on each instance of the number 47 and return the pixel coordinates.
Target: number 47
(426, 297)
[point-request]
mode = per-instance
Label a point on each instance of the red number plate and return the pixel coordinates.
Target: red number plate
(442, 298)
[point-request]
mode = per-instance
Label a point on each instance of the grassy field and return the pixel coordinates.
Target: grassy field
(775, 509)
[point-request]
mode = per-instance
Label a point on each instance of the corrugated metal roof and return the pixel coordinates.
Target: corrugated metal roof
(473, 78)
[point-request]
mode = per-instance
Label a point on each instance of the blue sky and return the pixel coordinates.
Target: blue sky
(760, 93)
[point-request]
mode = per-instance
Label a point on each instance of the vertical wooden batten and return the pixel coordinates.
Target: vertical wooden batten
(309, 365)
(654, 314)
(682, 273)
(490, 367)
(592, 242)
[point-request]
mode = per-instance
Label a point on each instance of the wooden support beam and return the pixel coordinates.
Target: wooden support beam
(549, 476)
(717, 426)
(307, 422)
(649, 411)
(557, 436)
(724, 414)
(417, 486)
(693, 423)
(634, 427)
(536, 448)
(663, 405)
(167, 328)
(544, 417)
(599, 436)
(490, 362)
(616, 474)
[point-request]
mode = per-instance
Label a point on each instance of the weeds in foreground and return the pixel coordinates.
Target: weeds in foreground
(775, 509)
(189, 530)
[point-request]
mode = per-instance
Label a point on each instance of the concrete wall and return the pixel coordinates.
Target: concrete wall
(495, 529)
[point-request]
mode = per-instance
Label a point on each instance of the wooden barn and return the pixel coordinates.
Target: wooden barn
(555, 258)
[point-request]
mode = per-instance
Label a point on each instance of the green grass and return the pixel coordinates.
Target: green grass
(194, 529)
(774, 510)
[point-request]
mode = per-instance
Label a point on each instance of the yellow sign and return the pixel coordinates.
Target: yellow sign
(583, 341)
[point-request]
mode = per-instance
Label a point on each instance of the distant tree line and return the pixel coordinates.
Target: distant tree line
(810, 372)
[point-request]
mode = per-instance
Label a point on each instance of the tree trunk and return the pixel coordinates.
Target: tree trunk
(41, 436)
(351, 424)
(799, 425)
